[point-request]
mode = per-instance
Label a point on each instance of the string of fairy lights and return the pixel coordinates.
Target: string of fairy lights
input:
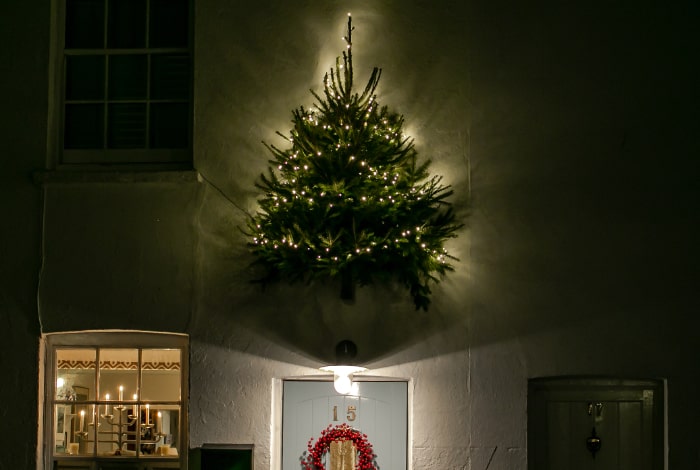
(348, 194)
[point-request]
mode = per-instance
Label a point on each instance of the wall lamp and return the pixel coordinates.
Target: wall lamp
(342, 371)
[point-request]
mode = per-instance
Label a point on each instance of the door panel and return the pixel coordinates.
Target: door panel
(627, 417)
(377, 409)
(631, 433)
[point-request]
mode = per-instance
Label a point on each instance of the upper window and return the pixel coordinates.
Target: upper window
(116, 396)
(126, 81)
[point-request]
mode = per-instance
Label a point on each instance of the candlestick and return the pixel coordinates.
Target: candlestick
(107, 404)
(148, 414)
(82, 420)
(93, 413)
(133, 408)
(159, 422)
(121, 393)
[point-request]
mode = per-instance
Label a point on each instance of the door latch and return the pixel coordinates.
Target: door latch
(598, 407)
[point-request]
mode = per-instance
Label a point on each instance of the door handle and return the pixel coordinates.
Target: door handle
(593, 443)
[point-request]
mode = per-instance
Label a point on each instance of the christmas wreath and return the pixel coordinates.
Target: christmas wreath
(342, 432)
(349, 199)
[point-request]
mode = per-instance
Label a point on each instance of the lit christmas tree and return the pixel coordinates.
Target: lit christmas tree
(348, 198)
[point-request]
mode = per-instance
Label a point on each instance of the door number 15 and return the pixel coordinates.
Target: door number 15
(350, 416)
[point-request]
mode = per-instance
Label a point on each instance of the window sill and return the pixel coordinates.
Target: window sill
(51, 177)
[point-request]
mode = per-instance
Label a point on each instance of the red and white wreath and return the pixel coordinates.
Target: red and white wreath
(341, 432)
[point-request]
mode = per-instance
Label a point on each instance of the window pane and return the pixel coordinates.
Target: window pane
(126, 24)
(169, 125)
(169, 23)
(84, 126)
(85, 24)
(166, 433)
(74, 429)
(118, 376)
(127, 77)
(126, 125)
(160, 375)
(117, 433)
(85, 77)
(63, 427)
(75, 374)
(75, 386)
(170, 76)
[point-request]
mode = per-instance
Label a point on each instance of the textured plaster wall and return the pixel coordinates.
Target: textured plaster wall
(571, 128)
(120, 254)
(23, 71)
(585, 228)
(574, 127)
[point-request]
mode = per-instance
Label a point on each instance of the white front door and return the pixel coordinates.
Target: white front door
(595, 424)
(377, 409)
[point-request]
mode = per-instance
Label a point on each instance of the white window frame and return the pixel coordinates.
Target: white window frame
(96, 159)
(51, 342)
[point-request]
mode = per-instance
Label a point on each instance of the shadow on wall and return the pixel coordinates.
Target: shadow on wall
(310, 319)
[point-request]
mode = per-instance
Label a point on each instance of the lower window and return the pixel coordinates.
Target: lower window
(115, 400)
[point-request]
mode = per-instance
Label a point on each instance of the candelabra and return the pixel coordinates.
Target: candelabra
(120, 419)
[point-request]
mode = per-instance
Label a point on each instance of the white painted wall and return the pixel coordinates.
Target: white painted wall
(571, 126)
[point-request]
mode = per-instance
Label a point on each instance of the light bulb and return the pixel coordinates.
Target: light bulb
(342, 384)
(342, 375)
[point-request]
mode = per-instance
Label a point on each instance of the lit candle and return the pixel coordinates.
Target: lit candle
(121, 393)
(148, 414)
(133, 409)
(159, 422)
(107, 404)
(82, 420)
(93, 413)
